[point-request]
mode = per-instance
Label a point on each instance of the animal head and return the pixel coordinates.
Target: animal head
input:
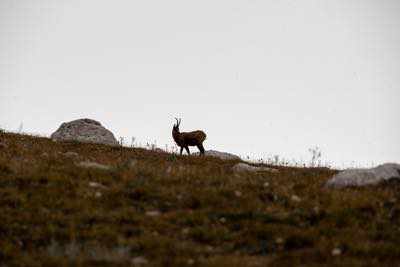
(176, 126)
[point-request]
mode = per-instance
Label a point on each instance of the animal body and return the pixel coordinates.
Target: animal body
(186, 139)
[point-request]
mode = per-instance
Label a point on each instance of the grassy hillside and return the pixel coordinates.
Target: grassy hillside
(156, 209)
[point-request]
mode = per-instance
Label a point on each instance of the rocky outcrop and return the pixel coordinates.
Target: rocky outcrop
(243, 167)
(84, 130)
(363, 177)
(221, 155)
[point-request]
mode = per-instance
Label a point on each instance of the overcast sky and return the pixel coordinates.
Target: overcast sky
(260, 77)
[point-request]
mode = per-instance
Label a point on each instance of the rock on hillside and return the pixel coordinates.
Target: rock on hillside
(243, 167)
(363, 177)
(84, 130)
(221, 155)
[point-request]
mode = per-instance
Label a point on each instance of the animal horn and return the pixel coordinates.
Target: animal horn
(177, 123)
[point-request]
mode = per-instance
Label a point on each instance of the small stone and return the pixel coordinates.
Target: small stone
(279, 241)
(153, 213)
(316, 209)
(266, 184)
(71, 154)
(44, 155)
(185, 231)
(238, 193)
(296, 198)
(98, 194)
(97, 185)
(94, 165)
(190, 261)
(222, 220)
(138, 261)
(271, 170)
(336, 252)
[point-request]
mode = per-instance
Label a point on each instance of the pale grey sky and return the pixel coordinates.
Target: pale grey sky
(260, 77)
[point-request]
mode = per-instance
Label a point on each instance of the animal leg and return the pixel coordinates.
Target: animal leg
(181, 150)
(201, 148)
(187, 150)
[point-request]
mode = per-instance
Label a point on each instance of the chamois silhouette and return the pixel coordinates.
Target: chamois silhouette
(186, 139)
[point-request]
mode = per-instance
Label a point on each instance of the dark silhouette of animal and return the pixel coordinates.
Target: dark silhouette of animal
(186, 139)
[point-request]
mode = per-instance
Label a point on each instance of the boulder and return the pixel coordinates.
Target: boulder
(221, 155)
(363, 177)
(243, 167)
(84, 130)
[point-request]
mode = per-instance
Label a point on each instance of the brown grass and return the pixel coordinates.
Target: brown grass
(50, 216)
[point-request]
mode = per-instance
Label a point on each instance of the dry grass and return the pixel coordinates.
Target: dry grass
(180, 211)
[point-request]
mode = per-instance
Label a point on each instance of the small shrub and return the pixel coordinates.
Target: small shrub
(172, 157)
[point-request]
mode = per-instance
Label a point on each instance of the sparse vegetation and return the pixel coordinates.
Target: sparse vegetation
(315, 156)
(160, 209)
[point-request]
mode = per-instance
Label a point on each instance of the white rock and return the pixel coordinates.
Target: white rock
(71, 154)
(94, 165)
(98, 194)
(266, 184)
(84, 130)
(209, 248)
(295, 198)
(363, 177)
(221, 155)
(336, 252)
(97, 185)
(153, 213)
(316, 209)
(238, 193)
(222, 220)
(138, 261)
(243, 167)
(190, 261)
